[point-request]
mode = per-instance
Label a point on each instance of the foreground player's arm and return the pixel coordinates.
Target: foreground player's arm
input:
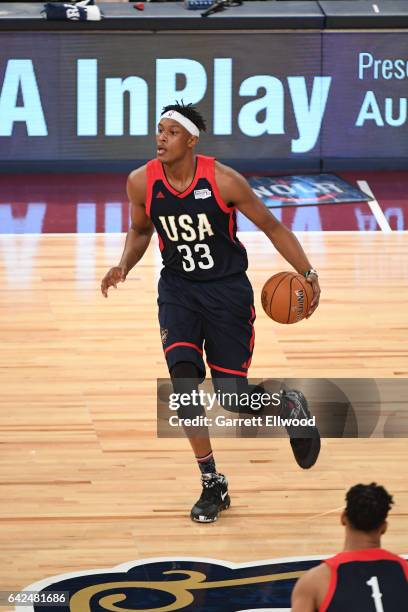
(311, 589)
(139, 234)
(234, 189)
(303, 599)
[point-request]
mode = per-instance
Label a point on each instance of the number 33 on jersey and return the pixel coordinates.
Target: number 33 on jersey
(196, 229)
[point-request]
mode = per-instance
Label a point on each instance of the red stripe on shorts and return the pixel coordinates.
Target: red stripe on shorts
(226, 370)
(189, 344)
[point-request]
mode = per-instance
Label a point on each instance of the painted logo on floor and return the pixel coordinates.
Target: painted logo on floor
(167, 584)
(305, 190)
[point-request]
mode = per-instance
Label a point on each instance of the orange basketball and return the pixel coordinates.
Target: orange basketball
(286, 297)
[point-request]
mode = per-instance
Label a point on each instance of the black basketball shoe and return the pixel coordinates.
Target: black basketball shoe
(304, 440)
(213, 499)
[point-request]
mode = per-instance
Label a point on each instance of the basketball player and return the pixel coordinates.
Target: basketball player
(365, 577)
(204, 294)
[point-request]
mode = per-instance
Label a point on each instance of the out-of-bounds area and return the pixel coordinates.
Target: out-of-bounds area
(87, 203)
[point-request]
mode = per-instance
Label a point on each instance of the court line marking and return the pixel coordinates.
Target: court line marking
(375, 208)
(122, 235)
(315, 516)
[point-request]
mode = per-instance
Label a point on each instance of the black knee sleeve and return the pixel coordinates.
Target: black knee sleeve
(239, 396)
(185, 377)
(185, 369)
(230, 389)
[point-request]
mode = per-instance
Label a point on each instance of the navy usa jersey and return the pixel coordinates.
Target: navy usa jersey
(372, 580)
(196, 229)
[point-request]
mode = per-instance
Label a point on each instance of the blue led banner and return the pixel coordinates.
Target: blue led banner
(296, 95)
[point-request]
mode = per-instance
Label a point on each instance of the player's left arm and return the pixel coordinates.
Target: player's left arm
(234, 189)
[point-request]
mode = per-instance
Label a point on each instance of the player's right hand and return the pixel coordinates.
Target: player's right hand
(112, 278)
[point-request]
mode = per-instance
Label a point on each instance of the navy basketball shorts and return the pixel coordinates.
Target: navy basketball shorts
(212, 317)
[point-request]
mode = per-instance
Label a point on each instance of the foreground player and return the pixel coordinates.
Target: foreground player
(363, 578)
(204, 293)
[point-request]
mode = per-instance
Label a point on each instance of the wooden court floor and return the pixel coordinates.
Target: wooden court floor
(84, 481)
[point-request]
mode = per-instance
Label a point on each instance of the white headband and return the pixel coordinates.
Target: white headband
(186, 123)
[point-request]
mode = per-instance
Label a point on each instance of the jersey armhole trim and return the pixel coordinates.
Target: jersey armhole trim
(331, 590)
(150, 179)
(227, 209)
(404, 565)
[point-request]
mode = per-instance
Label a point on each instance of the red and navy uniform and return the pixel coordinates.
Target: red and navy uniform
(372, 580)
(197, 230)
(205, 298)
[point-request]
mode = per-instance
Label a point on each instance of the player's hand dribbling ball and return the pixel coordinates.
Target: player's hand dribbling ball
(286, 297)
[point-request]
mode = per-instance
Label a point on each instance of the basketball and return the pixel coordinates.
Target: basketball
(286, 297)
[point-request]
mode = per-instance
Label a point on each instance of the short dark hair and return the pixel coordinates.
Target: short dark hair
(189, 111)
(367, 506)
